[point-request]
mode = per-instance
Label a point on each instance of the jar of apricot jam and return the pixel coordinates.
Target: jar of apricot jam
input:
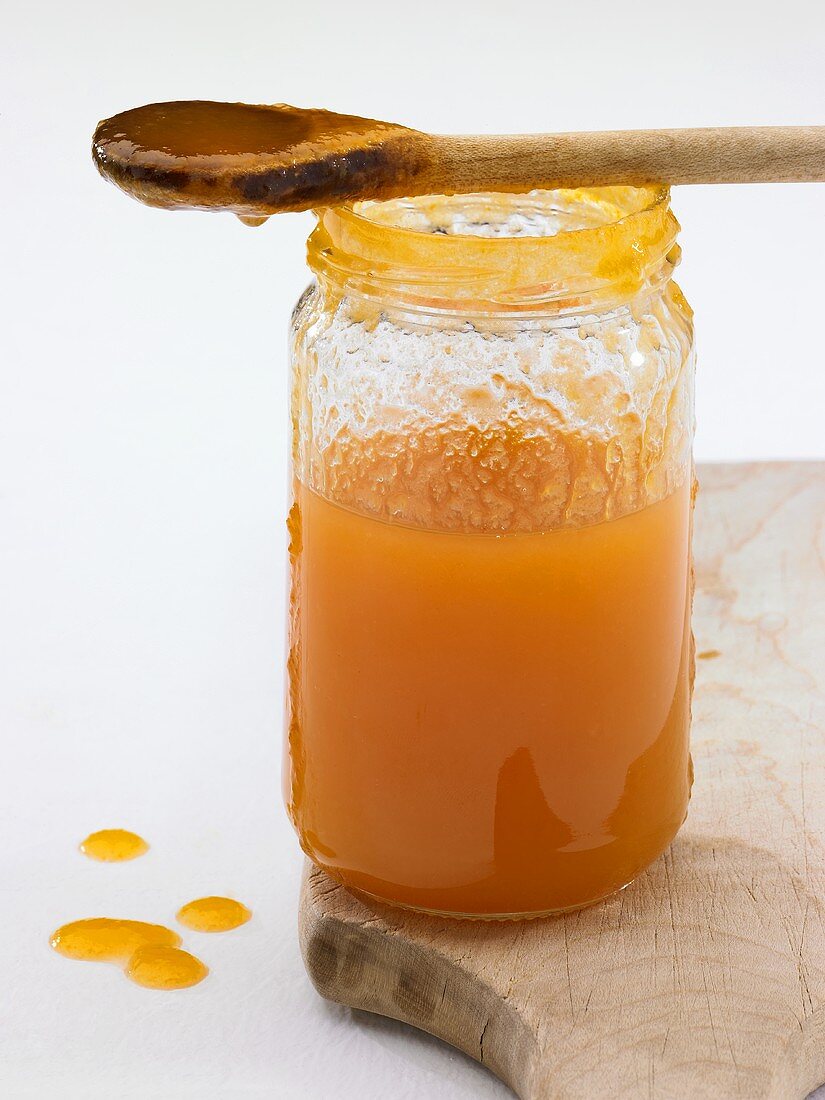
(490, 655)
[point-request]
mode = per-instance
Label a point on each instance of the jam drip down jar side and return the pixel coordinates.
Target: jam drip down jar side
(490, 657)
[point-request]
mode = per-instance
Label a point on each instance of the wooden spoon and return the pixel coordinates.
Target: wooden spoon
(261, 160)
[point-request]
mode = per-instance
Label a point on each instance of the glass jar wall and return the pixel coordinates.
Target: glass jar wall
(490, 663)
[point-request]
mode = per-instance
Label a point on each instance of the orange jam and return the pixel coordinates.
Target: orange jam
(106, 939)
(490, 665)
(149, 954)
(113, 845)
(156, 966)
(214, 914)
(489, 723)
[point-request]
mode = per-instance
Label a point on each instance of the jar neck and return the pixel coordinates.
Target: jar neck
(544, 253)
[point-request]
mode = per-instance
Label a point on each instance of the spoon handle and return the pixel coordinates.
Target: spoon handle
(734, 154)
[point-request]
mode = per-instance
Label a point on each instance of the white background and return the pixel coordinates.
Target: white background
(142, 475)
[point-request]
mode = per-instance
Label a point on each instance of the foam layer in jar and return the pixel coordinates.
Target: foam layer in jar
(529, 414)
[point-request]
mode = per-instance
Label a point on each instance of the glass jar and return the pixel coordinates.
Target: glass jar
(490, 664)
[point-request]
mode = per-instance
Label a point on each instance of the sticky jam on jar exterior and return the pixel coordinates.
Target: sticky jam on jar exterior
(490, 663)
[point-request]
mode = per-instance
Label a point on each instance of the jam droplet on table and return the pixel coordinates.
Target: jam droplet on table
(160, 967)
(149, 953)
(113, 845)
(214, 914)
(105, 939)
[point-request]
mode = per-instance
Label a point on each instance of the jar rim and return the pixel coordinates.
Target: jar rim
(653, 195)
(600, 242)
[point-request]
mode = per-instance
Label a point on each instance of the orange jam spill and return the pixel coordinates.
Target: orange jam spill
(159, 967)
(149, 953)
(113, 845)
(213, 914)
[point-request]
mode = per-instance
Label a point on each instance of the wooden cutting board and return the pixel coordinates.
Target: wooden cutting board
(706, 977)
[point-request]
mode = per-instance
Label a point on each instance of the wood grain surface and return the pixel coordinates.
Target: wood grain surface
(721, 154)
(706, 977)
